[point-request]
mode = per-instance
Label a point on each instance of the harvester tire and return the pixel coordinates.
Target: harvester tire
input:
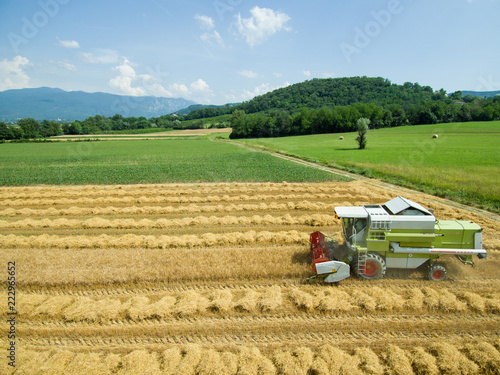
(375, 267)
(436, 272)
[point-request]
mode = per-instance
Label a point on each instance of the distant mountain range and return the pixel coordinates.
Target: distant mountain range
(46, 103)
(482, 94)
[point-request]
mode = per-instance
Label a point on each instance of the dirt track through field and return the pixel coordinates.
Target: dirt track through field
(211, 278)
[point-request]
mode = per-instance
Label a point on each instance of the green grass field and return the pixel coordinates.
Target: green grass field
(462, 164)
(144, 161)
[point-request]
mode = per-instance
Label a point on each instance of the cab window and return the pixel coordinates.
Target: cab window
(360, 225)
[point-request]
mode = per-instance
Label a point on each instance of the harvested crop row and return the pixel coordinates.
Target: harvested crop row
(165, 210)
(96, 191)
(207, 221)
(273, 299)
(162, 242)
(131, 200)
(327, 358)
(132, 266)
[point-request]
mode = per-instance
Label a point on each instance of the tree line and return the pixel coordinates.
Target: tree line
(338, 119)
(30, 128)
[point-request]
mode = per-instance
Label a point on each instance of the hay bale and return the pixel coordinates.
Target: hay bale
(190, 360)
(137, 308)
(221, 301)
(53, 306)
(140, 362)
(171, 359)
(56, 364)
(28, 302)
(386, 299)
(475, 301)
(160, 309)
(248, 302)
(443, 300)
(397, 361)
(423, 362)
(485, 355)
(110, 309)
(414, 299)
(251, 361)
(332, 360)
(213, 362)
(297, 361)
(190, 302)
(452, 361)
(83, 308)
(30, 361)
(86, 363)
(363, 300)
(271, 299)
(303, 300)
(334, 300)
(369, 362)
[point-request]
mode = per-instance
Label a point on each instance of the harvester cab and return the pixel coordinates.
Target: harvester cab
(397, 234)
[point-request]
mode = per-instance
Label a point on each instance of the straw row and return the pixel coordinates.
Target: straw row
(142, 241)
(273, 299)
(165, 210)
(206, 221)
(326, 358)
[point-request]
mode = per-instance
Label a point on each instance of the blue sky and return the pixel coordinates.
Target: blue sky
(220, 51)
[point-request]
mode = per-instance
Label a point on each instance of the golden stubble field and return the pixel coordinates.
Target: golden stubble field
(210, 279)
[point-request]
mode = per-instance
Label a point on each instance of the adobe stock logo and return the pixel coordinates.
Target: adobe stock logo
(223, 6)
(30, 26)
(364, 36)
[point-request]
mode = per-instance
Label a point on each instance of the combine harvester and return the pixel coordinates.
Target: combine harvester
(397, 234)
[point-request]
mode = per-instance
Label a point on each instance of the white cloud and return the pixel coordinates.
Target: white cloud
(201, 91)
(248, 73)
(67, 65)
(12, 74)
(103, 56)
(277, 75)
(212, 38)
(68, 43)
(260, 90)
(128, 82)
(206, 22)
(123, 81)
(307, 73)
(262, 24)
(199, 86)
(179, 89)
(198, 91)
(151, 85)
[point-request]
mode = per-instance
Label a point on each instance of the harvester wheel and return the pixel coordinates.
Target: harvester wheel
(374, 267)
(436, 272)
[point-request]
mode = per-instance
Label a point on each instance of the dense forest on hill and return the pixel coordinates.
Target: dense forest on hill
(335, 105)
(329, 92)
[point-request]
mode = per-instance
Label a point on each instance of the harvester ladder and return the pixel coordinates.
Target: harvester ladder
(362, 254)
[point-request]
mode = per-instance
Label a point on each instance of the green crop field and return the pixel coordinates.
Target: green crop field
(463, 163)
(144, 161)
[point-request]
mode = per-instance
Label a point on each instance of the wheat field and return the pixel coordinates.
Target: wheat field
(211, 279)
